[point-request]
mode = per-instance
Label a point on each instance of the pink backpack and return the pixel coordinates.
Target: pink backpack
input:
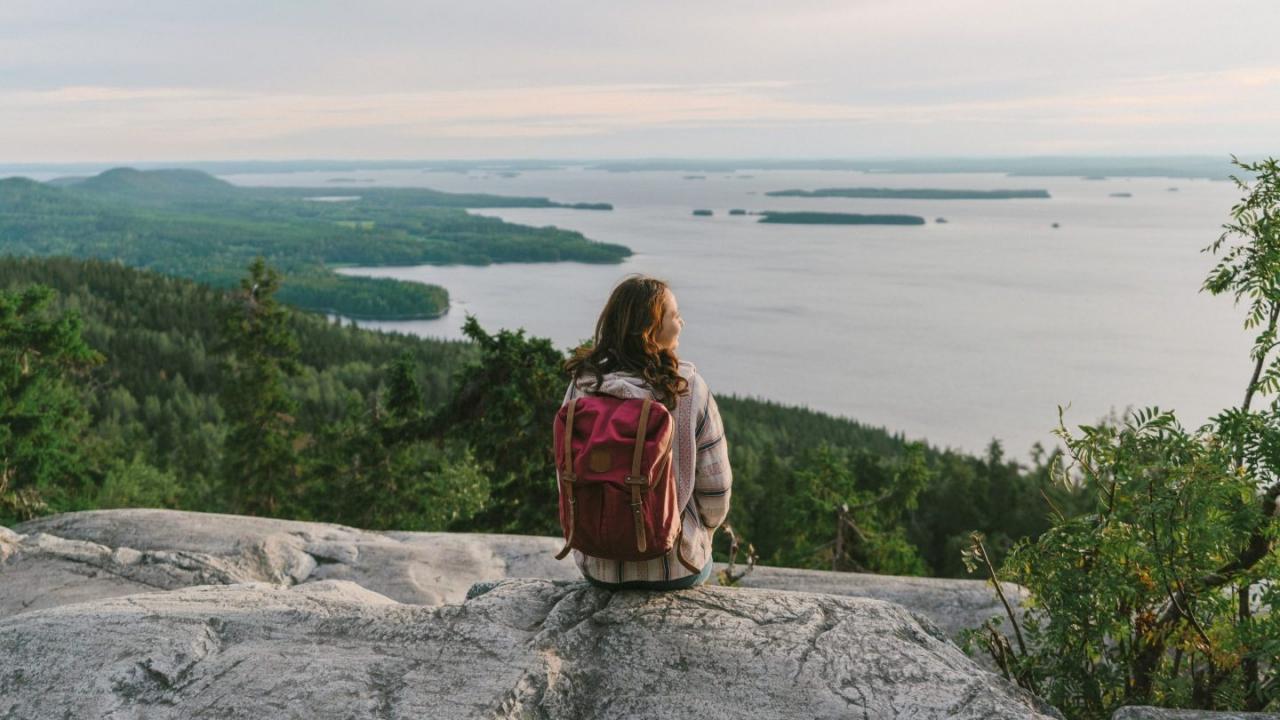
(618, 495)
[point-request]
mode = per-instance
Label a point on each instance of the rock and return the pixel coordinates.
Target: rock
(106, 553)
(1143, 712)
(951, 604)
(525, 648)
(9, 541)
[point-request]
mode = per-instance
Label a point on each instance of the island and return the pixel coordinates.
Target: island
(1122, 194)
(829, 218)
(703, 213)
(911, 194)
(737, 211)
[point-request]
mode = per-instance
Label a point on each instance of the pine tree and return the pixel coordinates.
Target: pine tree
(260, 466)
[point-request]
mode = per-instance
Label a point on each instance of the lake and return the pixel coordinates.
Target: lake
(956, 333)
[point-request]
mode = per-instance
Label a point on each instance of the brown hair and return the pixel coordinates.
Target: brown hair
(625, 341)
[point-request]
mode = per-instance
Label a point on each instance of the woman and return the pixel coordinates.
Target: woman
(634, 355)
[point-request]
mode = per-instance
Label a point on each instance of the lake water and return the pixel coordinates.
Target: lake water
(956, 333)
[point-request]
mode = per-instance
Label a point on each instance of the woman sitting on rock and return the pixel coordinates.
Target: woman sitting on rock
(633, 355)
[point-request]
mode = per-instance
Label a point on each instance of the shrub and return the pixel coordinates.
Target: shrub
(1165, 592)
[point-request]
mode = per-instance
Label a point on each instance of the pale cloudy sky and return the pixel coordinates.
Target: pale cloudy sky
(168, 80)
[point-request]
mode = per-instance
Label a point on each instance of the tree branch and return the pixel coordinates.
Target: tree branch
(1262, 358)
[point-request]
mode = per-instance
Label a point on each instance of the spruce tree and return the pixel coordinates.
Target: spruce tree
(42, 417)
(260, 465)
(502, 406)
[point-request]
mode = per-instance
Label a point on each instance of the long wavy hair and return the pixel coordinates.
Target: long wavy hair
(625, 341)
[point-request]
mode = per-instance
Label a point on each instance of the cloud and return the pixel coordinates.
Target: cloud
(207, 122)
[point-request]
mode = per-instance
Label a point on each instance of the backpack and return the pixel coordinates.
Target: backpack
(618, 492)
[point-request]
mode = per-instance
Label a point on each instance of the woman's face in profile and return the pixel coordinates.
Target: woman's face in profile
(668, 335)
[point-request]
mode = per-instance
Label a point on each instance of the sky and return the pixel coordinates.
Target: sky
(171, 80)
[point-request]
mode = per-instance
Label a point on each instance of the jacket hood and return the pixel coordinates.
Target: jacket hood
(617, 384)
(625, 385)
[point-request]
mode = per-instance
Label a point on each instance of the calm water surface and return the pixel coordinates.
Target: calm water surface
(956, 333)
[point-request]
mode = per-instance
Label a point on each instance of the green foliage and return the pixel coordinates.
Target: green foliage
(404, 394)
(157, 403)
(260, 462)
(43, 464)
(502, 407)
(844, 510)
(1164, 592)
(371, 471)
(989, 494)
(137, 484)
(966, 493)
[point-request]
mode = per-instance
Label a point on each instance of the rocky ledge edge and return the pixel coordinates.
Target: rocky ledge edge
(520, 648)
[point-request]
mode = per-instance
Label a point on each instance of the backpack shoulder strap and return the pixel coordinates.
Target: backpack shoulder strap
(567, 476)
(635, 480)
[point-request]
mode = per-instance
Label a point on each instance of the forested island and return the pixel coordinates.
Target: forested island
(830, 218)
(911, 193)
(191, 224)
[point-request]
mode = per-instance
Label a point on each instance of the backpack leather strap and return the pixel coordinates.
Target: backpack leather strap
(567, 477)
(636, 480)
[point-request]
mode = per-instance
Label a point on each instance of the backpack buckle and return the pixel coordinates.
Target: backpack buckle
(638, 480)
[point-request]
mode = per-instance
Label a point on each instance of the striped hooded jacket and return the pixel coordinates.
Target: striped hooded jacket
(703, 478)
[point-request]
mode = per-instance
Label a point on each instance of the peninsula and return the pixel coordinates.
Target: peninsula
(190, 224)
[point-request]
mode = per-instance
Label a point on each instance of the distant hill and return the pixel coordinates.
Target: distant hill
(194, 188)
(22, 195)
(67, 180)
(20, 189)
(155, 187)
